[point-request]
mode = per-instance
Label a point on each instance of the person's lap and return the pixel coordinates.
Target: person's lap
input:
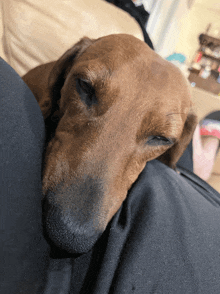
(23, 249)
(24, 252)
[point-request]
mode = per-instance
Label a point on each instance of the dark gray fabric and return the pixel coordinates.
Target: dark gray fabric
(186, 160)
(23, 251)
(164, 239)
(214, 115)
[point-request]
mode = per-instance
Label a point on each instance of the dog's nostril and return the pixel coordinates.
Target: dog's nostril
(63, 229)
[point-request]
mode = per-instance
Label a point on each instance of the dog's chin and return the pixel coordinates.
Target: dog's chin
(66, 233)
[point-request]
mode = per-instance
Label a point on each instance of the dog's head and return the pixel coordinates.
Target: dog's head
(112, 104)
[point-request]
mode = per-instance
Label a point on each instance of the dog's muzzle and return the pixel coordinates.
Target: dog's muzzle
(71, 219)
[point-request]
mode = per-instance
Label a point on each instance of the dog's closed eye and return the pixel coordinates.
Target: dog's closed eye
(86, 92)
(158, 140)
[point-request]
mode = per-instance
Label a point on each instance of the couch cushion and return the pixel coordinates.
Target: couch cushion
(2, 54)
(40, 31)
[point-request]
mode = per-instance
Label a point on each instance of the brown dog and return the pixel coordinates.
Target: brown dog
(111, 105)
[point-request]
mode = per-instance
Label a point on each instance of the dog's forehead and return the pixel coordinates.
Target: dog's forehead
(168, 82)
(136, 69)
(120, 50)
(115, 50)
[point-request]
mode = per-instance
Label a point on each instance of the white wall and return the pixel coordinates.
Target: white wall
(164, 24)
(201, 14)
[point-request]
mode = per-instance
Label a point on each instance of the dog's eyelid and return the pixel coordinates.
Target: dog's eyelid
(86, 92)
(85, 85)
(159, 140)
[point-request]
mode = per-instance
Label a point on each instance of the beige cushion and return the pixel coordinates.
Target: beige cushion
(38, 31)
(2, 55)
(204, 102)
(214, 181)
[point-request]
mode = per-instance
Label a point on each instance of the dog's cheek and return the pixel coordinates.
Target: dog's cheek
(136, 164)
(133, 166)
(154, 152)
(133, 172)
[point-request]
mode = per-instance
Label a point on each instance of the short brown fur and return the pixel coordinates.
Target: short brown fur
(139, 95)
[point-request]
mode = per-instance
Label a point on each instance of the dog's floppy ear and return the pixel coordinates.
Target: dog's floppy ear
(46, 81)
(172, 155)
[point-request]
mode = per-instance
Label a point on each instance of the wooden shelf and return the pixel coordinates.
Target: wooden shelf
(210, 84)
(207, 40)
(211, 57)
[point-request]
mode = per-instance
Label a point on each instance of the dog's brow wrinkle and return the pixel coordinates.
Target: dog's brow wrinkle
(174, 113)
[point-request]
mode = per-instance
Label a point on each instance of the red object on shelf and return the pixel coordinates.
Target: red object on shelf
(198, 57)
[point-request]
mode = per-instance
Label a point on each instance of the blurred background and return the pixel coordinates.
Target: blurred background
(185, 32)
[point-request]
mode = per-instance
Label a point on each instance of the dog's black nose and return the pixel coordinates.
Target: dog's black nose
(67, 230)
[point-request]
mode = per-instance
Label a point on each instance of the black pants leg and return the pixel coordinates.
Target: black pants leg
(186, 160)
(24, 252)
